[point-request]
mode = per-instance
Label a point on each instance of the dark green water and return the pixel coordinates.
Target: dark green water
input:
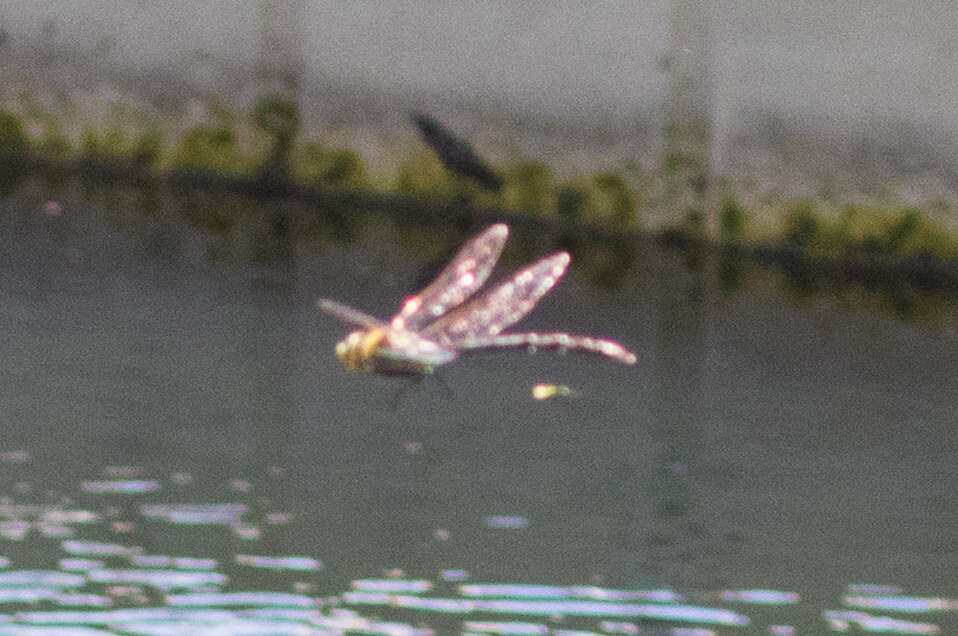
(170, 348)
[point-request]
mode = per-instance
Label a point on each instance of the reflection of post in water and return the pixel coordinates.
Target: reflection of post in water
(687, 130)
(679, 541)
(278, 79)
(678, 532)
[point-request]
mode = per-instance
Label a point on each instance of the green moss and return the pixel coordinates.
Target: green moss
(423, 176)
(209, 148)
(147, 148)
(113, 142)
(336, 168)
(222, 116)
(345, 170)
(733, 220)
(276, 116)
(802, 228)
(529, 187)
(869, 231)
(90, 143)
(110, 144)
(903, 232)
(614, 200)
(309, 161)
(572, 201)
(13, 135)
(54, 143)
(675, 161)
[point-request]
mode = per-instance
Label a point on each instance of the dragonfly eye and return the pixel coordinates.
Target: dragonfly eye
(342, 352)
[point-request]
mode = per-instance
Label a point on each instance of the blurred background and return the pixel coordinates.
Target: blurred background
(844, 104)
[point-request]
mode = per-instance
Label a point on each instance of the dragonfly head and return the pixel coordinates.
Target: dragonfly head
(357, 348)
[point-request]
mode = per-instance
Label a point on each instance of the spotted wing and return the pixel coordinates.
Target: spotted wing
(464, 274)
(348, 314)
(500, 307)
(563, 341)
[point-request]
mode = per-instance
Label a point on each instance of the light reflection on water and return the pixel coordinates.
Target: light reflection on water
(129, 591)
(182, 453)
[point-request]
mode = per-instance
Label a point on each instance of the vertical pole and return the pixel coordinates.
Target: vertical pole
(687, 130)
(279, 59)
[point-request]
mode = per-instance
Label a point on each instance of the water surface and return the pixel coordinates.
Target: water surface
(180, 446)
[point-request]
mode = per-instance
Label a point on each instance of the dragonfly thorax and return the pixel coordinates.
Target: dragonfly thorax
(392, 351)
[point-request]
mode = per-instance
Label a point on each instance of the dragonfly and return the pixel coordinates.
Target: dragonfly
(434, 326)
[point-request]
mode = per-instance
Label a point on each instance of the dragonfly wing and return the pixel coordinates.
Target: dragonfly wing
(348, 314)
(464, 274)
(565, 341)
(500, 307)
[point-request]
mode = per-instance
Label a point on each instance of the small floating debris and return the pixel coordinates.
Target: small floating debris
(543, 392)
(123, 471)
(454, 575)
(240, 485)
(123, 486)
(842, 620)
(247, 532)
(181, 479)
(15, 457)
(52, 208)
(392, 585)
(299, 563)
(511, 522)
(121, 527)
